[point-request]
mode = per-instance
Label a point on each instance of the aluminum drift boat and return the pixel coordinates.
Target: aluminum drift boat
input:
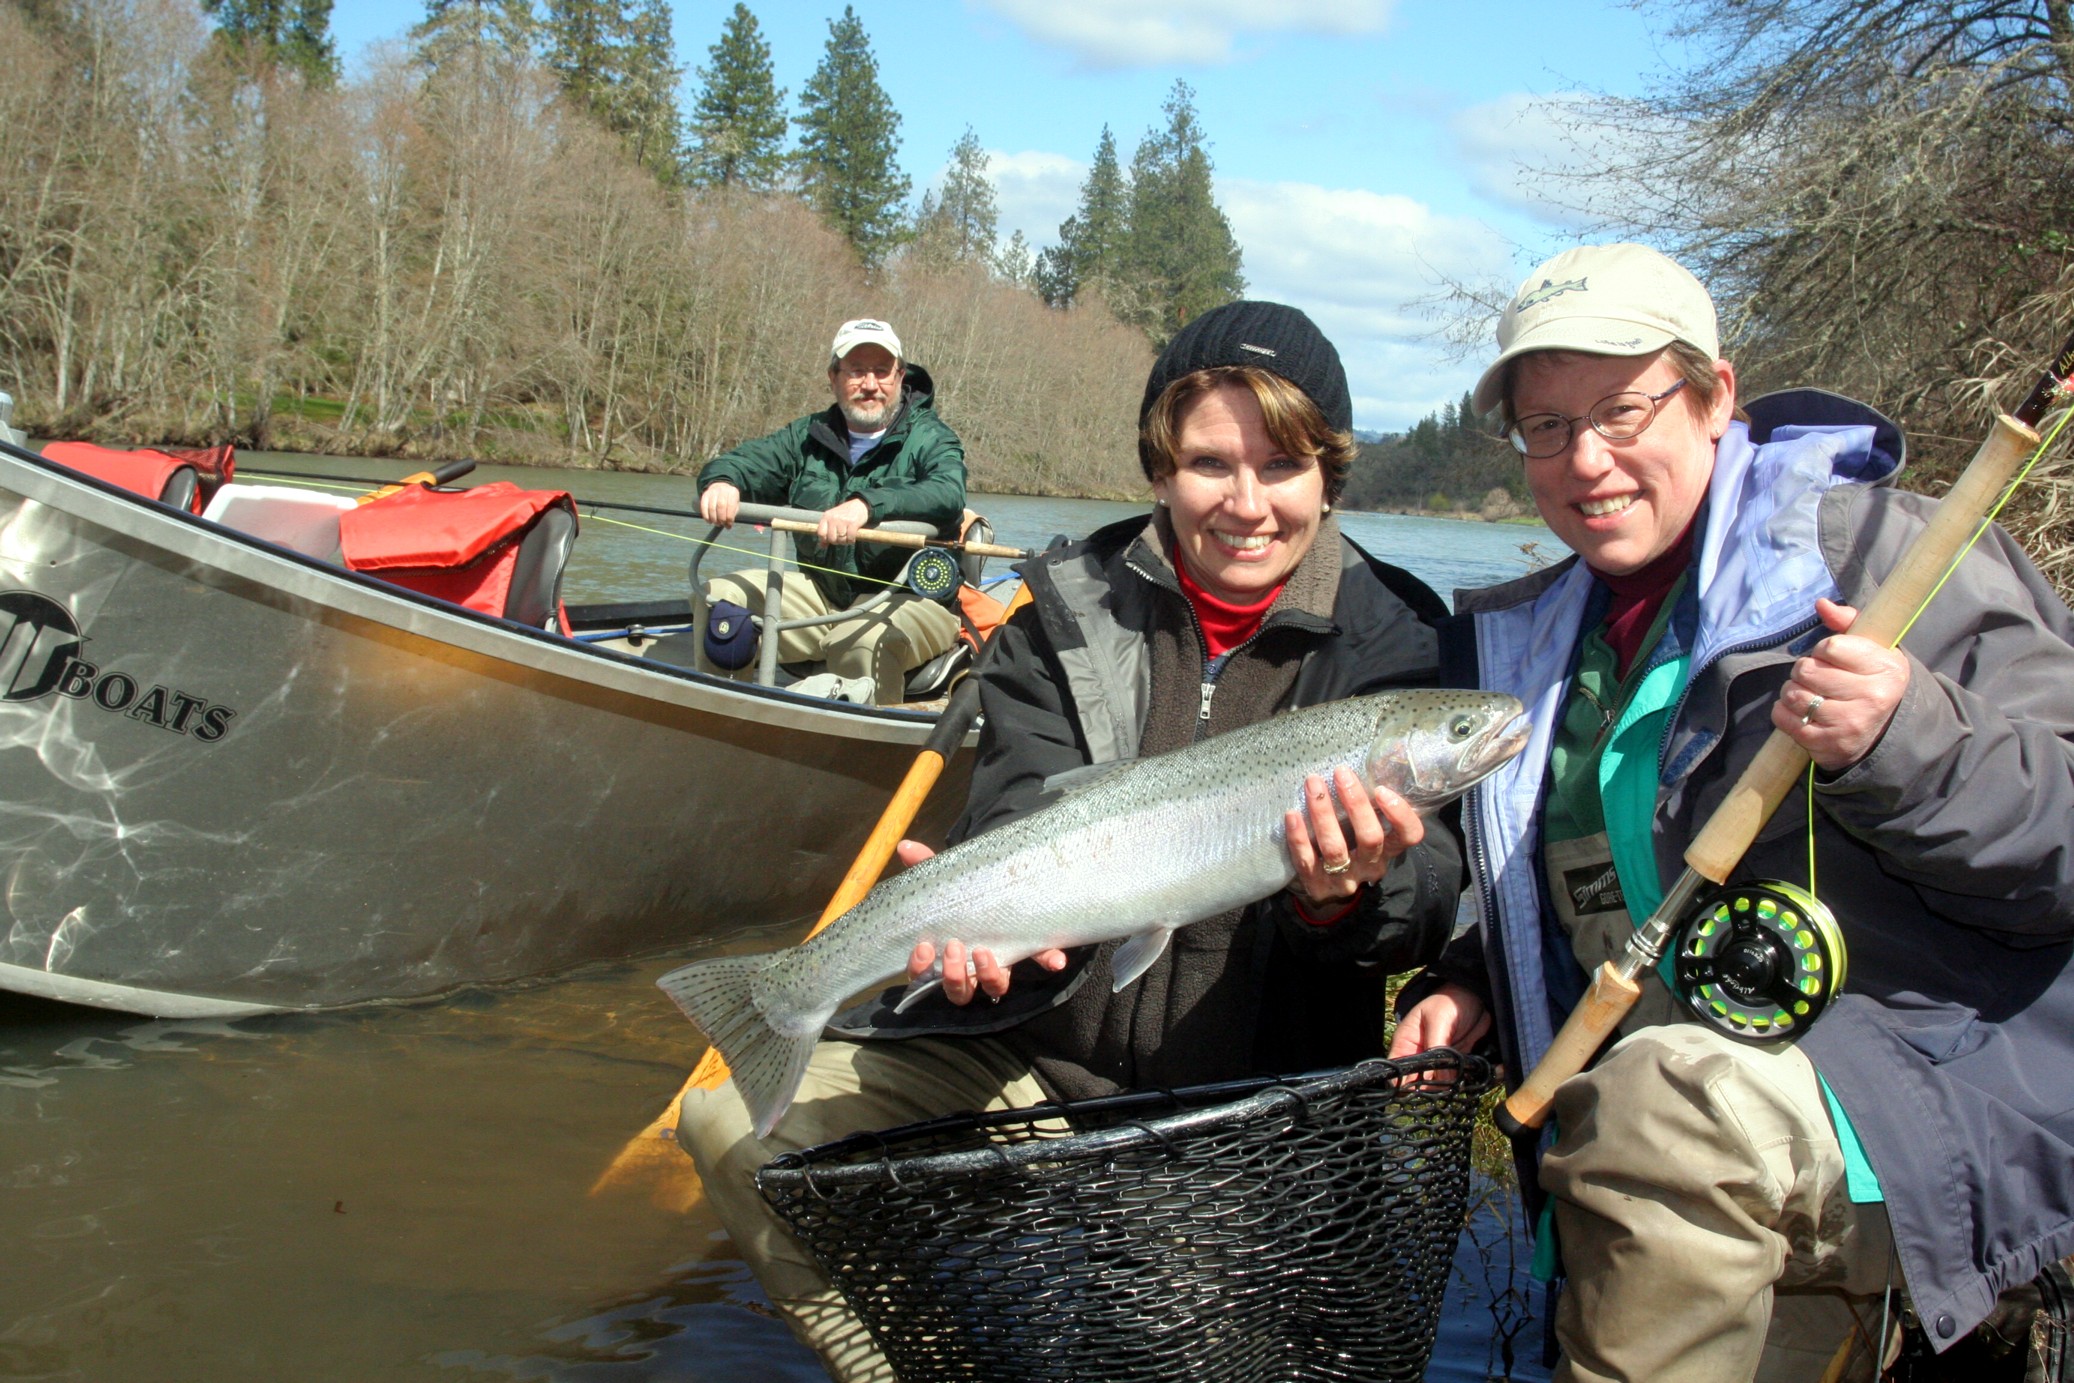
(238, 778)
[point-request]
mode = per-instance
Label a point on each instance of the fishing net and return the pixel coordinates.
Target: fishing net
(1290, 1229)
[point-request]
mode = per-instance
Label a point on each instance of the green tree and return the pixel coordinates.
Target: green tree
(583, 39)
(295, 34)
(615, 62)
(1089, 254)
(500, 27)
(849, 137)
(1180, 259)
(1015, 264)
(645, 110)
(958, 222)
(738, 122)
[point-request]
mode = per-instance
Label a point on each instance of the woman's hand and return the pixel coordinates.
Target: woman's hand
(1841, 696)
(965, 972)
(1328, 867)
(1450, 1016)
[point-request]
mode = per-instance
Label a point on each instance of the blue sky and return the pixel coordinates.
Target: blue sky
(1363, 147)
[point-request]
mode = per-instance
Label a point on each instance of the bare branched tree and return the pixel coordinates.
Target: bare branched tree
(1881, 195)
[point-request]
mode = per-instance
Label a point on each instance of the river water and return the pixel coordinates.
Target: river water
(404, 1192)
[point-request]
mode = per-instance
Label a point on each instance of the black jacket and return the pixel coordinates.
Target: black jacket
(1087, 674)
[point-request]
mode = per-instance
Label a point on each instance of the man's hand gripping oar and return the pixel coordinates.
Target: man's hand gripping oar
(653, 1152)
(1728, 833)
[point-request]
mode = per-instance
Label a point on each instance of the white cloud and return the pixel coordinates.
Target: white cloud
(1528, 153)
(1034, 191)
(1155, 33)
(1359, 262)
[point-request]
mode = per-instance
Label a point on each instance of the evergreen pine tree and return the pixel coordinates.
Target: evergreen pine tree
(958, 223)
(738, 123)
(1180, 259)
(502, 29)
(1089, 254)
(295, 34)
(1015, 264)
(645, 112)
(849, 135)
(583, 40)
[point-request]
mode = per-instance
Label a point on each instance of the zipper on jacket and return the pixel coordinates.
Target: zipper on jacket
(1202, 643)
(1751, 645)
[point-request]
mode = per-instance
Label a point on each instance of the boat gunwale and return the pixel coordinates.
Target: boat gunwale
(247, 557)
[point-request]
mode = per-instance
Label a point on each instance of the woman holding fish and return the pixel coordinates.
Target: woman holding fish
(1722, 1208)
(1236, 599)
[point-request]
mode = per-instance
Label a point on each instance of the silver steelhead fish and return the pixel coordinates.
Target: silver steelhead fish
(1142, 849)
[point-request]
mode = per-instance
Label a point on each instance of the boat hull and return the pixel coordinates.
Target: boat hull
(235, 779)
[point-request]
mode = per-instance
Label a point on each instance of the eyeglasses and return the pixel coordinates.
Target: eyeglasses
(886, 371)
(1617, 417)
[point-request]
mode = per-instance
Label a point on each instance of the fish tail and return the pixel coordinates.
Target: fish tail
(767, 1065)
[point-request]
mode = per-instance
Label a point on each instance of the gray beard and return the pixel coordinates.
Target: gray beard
(876, 421)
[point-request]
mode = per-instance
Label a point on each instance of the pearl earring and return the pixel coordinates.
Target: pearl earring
(1328, 509)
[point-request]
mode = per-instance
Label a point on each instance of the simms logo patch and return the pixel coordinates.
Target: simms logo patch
(1593, 889)
(40, 644)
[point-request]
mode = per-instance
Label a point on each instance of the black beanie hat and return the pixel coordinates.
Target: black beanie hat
(1271, 336)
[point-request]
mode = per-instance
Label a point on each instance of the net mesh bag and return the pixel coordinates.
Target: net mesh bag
(1270, 1229)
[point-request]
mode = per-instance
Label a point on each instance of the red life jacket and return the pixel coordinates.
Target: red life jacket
(456, 545)
(153, 474)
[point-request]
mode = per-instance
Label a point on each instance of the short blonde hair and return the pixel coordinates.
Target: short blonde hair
(1296, 424)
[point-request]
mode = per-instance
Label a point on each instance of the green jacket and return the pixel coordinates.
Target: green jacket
(916, 472)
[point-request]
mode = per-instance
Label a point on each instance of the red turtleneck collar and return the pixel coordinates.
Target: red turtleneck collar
(1639, 595)
(1225, 625)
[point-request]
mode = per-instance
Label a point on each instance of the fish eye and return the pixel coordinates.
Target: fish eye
(1461, 727)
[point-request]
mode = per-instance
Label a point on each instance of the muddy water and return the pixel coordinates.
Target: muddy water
(403, 1192)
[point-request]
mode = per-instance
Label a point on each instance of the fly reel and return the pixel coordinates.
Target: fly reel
(1759, 960)
(932, 574)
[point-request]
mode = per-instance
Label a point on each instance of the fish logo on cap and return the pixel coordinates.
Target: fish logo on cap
(1549, 289)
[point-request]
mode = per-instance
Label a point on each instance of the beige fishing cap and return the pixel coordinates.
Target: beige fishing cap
(1602, 300)
(863, 331)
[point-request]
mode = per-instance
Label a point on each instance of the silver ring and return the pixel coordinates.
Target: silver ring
(1342, 867)
(1807, 717)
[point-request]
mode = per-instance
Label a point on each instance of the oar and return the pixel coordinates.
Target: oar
(452, 470)
(653, 1150)
(1727, 834)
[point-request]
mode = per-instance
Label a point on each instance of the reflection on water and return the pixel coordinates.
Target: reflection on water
(401, 1191)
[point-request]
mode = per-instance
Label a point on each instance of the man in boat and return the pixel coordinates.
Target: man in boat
(1723, 1209)
(880, 454)
(1238, 583)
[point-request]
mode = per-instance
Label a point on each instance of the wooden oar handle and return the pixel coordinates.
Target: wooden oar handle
(916, 540)
(1725, 838)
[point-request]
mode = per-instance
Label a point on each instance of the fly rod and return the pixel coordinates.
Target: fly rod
(1729, 831)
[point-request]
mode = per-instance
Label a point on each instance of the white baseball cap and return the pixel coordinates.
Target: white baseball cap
(864, 331)
(1602, 300)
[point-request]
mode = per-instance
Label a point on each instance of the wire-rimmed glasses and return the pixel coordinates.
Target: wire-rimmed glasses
(1617, 417)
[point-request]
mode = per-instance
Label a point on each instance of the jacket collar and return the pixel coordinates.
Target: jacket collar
(1307, 596)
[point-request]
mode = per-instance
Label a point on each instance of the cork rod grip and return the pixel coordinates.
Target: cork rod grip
(1771, 775)
(1597, 1014)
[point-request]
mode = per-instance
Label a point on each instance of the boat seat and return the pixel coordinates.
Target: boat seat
(181, 488)
(145, 471)
(535, 597)
(299, 520)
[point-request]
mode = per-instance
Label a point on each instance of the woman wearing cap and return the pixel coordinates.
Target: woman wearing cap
(1235, 598)
(1708, 1193)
